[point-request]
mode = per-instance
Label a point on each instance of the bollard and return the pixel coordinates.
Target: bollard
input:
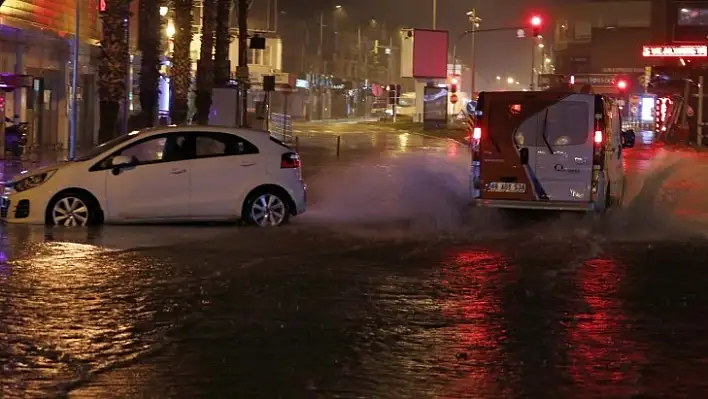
(297, 144)
(339, 142)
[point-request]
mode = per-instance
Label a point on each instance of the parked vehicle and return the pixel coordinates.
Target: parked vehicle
(16, 136)
(167, 174)
(548, 151)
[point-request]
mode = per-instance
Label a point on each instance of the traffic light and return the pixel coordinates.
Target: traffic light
(622, 87)
(536, 23)
(453, 87)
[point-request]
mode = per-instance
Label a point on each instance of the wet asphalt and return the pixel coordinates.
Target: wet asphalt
(388, 287)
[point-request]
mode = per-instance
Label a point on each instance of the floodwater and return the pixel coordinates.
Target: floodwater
(388, 287)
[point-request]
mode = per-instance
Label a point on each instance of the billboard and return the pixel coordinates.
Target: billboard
(434, 107)
(429, 54)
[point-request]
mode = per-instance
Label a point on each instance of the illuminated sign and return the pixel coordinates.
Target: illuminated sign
(101, 5)
(675, 51)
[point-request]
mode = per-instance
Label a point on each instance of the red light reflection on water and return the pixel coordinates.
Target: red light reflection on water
(452, 149)
(604, 361)
(473, 307)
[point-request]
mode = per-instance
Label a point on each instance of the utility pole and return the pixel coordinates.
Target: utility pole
(474, 21)
(320, 68)
(243, 59)
(532, 86)
(435, 14)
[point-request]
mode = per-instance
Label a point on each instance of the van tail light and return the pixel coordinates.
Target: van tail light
(598, 136)
(477, 133)
(290, 160)
(598, 163)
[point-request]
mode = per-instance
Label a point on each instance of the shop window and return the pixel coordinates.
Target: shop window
(693, 17)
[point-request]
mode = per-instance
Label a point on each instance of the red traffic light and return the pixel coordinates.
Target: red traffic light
(622, 84)
(536, 21)
(453, 88)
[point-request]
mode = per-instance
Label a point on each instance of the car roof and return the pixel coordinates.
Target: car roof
(257, 137)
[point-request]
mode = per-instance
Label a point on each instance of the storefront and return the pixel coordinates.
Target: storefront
(34, 42)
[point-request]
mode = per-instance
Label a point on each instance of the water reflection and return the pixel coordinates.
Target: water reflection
(605, 360)
(473, 283)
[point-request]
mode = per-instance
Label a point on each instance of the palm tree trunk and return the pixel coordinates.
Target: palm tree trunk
(205, 67)
(149, 35)
(112, 67)
(181, 72)
(223, 39)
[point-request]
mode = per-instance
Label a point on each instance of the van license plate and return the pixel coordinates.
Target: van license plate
(500, 187)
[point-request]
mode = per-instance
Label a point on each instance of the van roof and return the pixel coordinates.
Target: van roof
(532, 94)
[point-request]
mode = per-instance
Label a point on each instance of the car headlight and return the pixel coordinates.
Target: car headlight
(33, 180)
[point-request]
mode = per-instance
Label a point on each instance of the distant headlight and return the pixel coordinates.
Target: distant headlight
(33, 180)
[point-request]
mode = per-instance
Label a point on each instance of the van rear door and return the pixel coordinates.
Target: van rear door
(511, 124)
(564, 149)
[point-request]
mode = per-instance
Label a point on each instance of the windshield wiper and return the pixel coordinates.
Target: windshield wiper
(543, 133)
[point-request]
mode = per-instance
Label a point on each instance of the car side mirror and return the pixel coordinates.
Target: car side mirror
(628, 138)
(121, 160)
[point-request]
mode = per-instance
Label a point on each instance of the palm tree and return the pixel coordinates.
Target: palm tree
(223, 39)
(181, 71)
(149, 39)
(205, 67)
(113, 66)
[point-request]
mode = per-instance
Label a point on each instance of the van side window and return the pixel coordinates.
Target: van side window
(568, 123)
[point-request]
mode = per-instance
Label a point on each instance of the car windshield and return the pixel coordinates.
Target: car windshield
(103, 148)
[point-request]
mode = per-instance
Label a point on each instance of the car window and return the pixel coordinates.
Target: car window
(173, 147)
(568, 123)
(147, 151)
(222, 144)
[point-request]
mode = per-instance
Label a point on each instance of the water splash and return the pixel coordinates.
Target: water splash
(426, 195)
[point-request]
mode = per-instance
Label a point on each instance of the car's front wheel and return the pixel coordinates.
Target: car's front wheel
(72, 210)
(266, 209)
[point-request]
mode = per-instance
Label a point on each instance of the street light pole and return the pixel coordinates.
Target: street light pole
(475, 21)
(533, 63)
(75, 83)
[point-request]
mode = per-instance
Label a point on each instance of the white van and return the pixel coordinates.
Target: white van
(548, 151)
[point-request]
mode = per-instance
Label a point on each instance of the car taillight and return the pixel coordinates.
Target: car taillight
(290, 160)
(598, 137)
(477, 133)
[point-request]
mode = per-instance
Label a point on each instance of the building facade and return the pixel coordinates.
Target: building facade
(598, 35)
(36, 39)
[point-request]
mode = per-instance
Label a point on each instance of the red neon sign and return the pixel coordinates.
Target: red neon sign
(675, 51)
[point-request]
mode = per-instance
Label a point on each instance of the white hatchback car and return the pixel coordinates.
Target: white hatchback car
(172, 174)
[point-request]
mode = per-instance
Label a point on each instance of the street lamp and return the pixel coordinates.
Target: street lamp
(510, 80)
(170, 29)
(163, 11)
(338, 6)
(540, 45)
(498, 77)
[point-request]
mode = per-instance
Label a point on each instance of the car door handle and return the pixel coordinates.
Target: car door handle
(245, 164)
(177, 171)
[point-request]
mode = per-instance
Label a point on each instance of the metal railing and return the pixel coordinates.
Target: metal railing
(281, 127)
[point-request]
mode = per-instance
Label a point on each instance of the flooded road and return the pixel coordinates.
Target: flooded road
(388, 287)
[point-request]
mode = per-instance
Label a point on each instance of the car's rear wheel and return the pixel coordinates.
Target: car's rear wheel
(72, 210)
(267, 209)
